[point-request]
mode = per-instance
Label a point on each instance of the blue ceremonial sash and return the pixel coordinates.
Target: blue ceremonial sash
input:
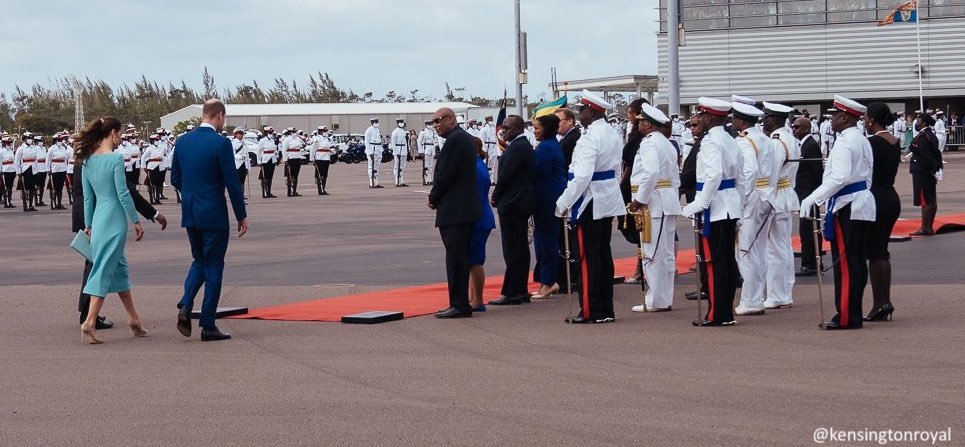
(597, 176)
(729, 183)
(829, 215)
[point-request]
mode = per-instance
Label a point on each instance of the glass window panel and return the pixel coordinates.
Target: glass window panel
(801, 19)
(798, 6)
(852, 16)
(750, 22)
(946, 11)
(851, 5)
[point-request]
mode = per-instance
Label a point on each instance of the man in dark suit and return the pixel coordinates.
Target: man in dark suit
(143, 208)
(453, 196)
(202, 168)
(514, 201)
(809, 177)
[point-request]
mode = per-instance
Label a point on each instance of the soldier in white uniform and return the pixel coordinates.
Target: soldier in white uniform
(70, 168)
(488, 136)
(400, 152)
(827, 135)
(131, 164)
(57, 159)
(940, 130)
(427, 147)
(242, 162)
(654, 183)
(293, 160)
(25, 161)
(780, 256)
(267, 159)
(8, 170)
(756, 189)
(531, 134)
(591, 200)
(850, 211)
(373, 152)
(321, 155)
(40, 170)
(165, 149)
(153, 162)
(717, 207)
(677, 130)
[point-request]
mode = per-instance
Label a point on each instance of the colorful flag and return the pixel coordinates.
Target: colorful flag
(547, 108)
(904, 13)
(499, 122)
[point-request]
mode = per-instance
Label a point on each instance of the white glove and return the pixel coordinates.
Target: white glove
(807, 208)
(560, 212)
(940, 175)
(691, 210)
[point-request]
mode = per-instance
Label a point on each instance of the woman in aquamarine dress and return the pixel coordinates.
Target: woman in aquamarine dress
(107, 209)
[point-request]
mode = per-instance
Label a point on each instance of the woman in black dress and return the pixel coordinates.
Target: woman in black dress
(887, 155)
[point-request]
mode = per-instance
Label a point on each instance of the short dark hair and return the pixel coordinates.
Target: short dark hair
(637, 105)
(881, 113)
(513, 122)
(212, 108)
(550, 124)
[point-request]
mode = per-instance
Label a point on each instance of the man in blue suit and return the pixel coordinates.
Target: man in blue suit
(202, 168)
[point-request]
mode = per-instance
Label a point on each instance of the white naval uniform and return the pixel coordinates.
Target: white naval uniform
(940, 133)
(240, 148)
(898, 129)
(293, 148)
(26, 158)
(41, 166)
(400, 154)
(655, 180)
(754, 184)
(719, 159)
(373, 154)
(6, 160)
(488, 136)
(780, 255)
(153, 157)
(677, 132)
(851, 164)
(531, 136)
(321, 148)
(267, 151)
(827, 137)
(57, 158)
(688, 144)
(598, 150)
(427, 147)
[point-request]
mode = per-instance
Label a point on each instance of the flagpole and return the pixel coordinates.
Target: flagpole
(921, 94)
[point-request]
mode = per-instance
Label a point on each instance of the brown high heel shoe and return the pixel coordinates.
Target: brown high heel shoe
(137, 329)
(87, 334)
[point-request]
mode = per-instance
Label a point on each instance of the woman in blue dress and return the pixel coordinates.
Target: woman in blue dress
(549, 181)
(480, 233)
(107, 209)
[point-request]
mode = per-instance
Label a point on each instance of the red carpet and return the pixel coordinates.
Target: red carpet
(422, 300)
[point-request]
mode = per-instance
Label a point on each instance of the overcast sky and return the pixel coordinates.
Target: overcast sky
(365, 45)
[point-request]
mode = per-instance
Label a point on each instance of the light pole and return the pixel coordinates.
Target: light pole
(520, 63)
(673, 61)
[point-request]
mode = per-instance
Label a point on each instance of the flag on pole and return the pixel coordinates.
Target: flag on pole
(547, 108)
(905, 13)
(499, 122)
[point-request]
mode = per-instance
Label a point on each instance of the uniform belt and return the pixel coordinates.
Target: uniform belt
(28, 160)
(762, 182)
(597, 176)
(829, 215)
(399, 145)
(727, 183)
(294, 150)
(269, 152)
(6, 163)
(428, 144)
(149, 160)
(58, 160)
(376, 144)
(784, 183)
(661, 184)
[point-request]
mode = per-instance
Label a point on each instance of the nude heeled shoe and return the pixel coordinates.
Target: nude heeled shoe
(87, 334)
(137, 329)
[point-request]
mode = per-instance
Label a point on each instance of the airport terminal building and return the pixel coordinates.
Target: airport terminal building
(802, 52)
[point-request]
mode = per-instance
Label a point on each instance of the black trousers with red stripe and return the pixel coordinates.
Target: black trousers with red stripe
(596, 265)
(719, 269)
(850, 258)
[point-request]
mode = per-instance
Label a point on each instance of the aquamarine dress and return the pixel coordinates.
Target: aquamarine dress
(107, 209)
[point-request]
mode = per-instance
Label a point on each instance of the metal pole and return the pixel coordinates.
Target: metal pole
(921, 94)
(519, 65)
(673, 60)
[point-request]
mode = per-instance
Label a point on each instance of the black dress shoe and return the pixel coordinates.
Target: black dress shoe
(452, 312)
(510, 301)
(578, 319)
(184, 321)
(705, 323)
(213, 334)
(835, 326)
(692, 296)
(378, 187)
(103, 323)
(806, 271)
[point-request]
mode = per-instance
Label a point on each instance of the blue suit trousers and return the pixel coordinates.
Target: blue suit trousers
(208, 248)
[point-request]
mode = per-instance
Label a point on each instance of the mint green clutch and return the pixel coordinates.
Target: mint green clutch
(81, 244)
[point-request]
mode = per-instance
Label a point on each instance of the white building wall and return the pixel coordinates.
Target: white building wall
(815, 62)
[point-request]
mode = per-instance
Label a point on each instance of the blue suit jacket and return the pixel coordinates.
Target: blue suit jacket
(202, 168)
